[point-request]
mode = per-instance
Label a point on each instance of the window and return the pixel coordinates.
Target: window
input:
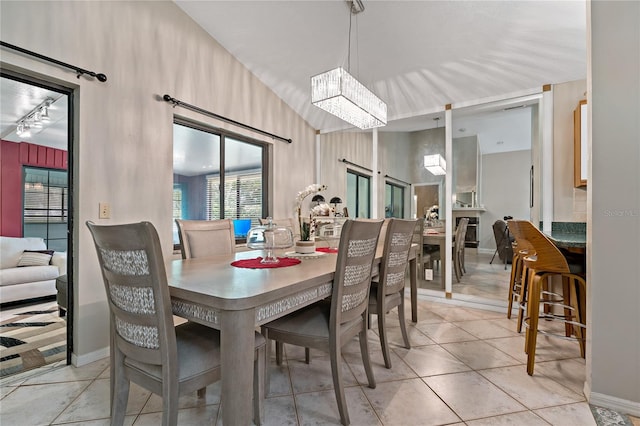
(393, 200)
(45, 206)
(358, 194)
(217, 175)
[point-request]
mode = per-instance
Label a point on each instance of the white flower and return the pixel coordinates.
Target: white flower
(311, 189)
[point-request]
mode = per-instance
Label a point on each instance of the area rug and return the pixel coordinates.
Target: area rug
(607, 417)
(31, 338)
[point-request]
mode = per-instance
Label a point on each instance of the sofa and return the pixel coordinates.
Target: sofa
(27, 269)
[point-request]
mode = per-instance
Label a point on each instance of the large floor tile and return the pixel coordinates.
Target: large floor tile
(316, 376)
(94, 403)
(431, 360)
(537, 391)
(479, 355)
(394, 335)
(321, 408)
(204, 415)
(472, 396)
(69, 373)
(523, 418)
(568, 415)
(280, 411)
(39, 404)
(445, 333)
(569, 372)
(399, 369)
(483, 329)
(409, 402)
(212, 396)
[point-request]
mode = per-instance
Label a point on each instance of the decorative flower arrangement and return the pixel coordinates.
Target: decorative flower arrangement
(307, 228)
(432, 213)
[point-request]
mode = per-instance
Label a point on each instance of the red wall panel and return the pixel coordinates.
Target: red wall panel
(13, 156)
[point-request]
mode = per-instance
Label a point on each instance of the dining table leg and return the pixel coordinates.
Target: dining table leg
(237, 347)
(443, 259)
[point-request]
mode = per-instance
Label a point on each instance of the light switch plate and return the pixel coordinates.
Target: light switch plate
(428, 274)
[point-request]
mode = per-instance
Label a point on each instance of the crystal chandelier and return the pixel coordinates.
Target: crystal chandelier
(339, 93)
(435, 164)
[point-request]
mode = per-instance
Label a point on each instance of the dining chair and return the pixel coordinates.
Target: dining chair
(329, 325)
(547, 262)
(202, 238)
(458, 248)
(146, 348)
(421, 256)
(387, 289)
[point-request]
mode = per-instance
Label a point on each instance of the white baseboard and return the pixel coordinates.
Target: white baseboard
(85, 359)
(618, 404)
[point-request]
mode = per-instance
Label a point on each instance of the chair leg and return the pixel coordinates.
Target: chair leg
(403, 325)
(201, 393)
(279, 352)
(338, 387)
(512, 284)
(169, 403)
(267, 360)
(120, 394)
(307, 355)
(382, 331)
(258, 386)
(532, 330)
(522, 298)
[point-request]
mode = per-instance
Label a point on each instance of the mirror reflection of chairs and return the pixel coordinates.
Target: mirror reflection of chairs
(202, 238)
(146, 347)
(434, 254)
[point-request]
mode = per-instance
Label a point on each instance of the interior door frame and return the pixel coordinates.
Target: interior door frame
(42, 82)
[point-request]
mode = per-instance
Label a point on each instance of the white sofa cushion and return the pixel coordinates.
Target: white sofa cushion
(12, 248)
(34, 258)
(28, 274)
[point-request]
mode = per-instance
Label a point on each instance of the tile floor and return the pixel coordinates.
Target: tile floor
(465, 367)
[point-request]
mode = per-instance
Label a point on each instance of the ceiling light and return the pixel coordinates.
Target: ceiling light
(341, 94)
(34, 119)
(435, 164)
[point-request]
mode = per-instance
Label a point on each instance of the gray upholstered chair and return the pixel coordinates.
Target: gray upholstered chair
(202, 238)
(146, 347)
(387, 289)
(328, 326)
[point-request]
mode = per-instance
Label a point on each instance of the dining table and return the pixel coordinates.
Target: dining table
(212, 292)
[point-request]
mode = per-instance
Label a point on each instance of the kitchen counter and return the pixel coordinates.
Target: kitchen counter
(569, 235)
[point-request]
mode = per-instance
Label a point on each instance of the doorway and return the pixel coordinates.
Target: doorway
(37, 198)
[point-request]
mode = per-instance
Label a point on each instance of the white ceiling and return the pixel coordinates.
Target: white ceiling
(417, 56)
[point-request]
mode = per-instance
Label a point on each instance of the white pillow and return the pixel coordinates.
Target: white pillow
(34, 258)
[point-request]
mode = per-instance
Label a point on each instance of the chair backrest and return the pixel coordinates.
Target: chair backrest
(523, 246)
(395, 257)
(352, 279)
(503, 241)
(548, 256)
(135, 281)
(288, 222)
(461, 232)
(202, 238)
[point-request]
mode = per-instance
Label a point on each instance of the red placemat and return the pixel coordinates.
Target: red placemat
(255, 263)
(327, 250)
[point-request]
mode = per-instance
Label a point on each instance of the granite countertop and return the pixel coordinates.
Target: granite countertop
(569, 234)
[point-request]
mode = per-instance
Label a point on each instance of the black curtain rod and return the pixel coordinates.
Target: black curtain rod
(345, 161)
(176, 102)
(79, 71)
(396, 179)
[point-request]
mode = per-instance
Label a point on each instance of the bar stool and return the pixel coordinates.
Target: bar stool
(519, 273)
(547, 262)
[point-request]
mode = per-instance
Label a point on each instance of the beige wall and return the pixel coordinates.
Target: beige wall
(123, 136)
(613, 231)
(505, 190)
(569, 203)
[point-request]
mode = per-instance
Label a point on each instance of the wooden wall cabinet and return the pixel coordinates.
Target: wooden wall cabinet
(580, 145)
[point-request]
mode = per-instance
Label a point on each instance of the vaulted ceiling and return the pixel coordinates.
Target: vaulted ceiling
(417, 56)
